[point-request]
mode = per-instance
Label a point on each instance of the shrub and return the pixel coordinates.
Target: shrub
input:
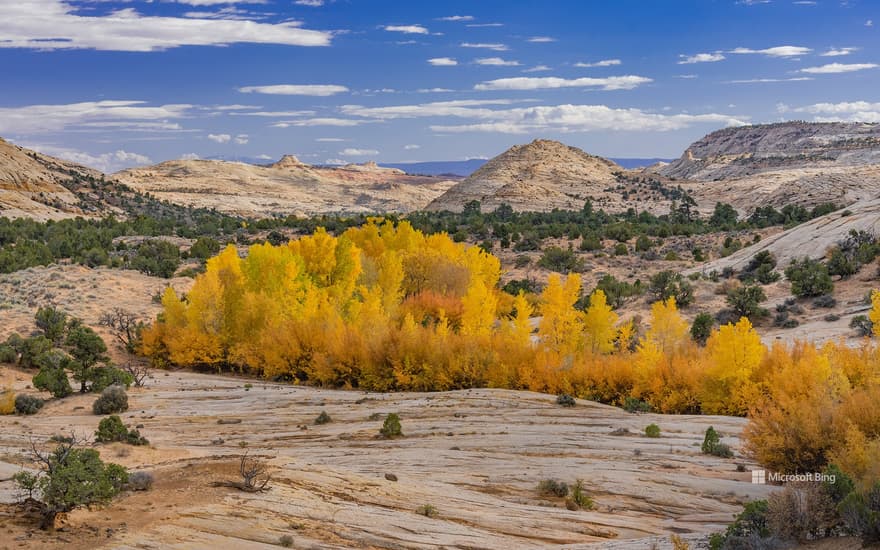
(156, 257)
(590, 243)
(620, 249)
(28, 404)
(745, 301)
(800, 511)
(643, 243)
(862, 325)
(565, 400)
(826, 301)
(140, 481)
(391, 427)
(113, 400)
(635, 405)
(7, 401)
(286, 541)
(652, 430)
(560, 260)
(111, 429)
(32, 349)
(702, 328)
(516, 286)
(8, 354)
(860, 513)
(522, 261)
(617, 291)
(72, 477)
(53, 323)
(428, 511)
(104, 377)
(579, 497)
(53, 380)
(323, 418)
(747, 531)
(668, 284)
(712, 445)
(553, 487)
(808, 278)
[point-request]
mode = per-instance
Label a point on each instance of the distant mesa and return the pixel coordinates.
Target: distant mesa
(288, 161)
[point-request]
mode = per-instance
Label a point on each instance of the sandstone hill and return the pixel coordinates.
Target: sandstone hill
(33, 185)
(288, 186)
(538, 176)
(777, 164)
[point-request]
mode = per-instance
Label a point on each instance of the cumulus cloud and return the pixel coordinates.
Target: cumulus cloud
(700, 58)
(190, 156)
(776, 51)
(837, 52)
(833, 68)
(412, 146)
(407, 29)
(501, 115)
(764, 80)
(496, 61)
(310, 3)
(602, 63)
(443, 61)
(456, 18)
(847, 111)
(273, 114)
(242, 139)
(321, 121)
(540, 39)
(319, 90)
(351, 152)
(627, 82)
(434, 90)
(537, 69)
(55, 24)
(486, 46)
(220, 138)
(105, 162)
(31, 119)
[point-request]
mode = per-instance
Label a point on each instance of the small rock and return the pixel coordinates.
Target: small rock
(390, 477)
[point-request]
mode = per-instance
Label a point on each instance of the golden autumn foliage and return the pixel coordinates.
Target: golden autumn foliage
(7, 401)
(385, 307)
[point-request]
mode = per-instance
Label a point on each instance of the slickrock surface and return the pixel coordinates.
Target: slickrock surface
(475, 455)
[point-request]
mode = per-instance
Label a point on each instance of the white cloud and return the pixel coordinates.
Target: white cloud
(602, 63)
(479, 25)
(310, 3)
(434, 90)
(242, 139)
(329, 140)
(804, 2)
(105, 162)
(847, 111)
(320, 90)
(834, 68)
(456, 108)
(496, 62)
(764, 80)
(687, 76)
(584, 118)
(869, 23)
(836, 52)
(412, 146)
(55, 24)
(456, 18)
(407, 29)
(776, 51)
(537, 69)
(190, 156)
(335, 162)
(443, 61)
(351, 152)
(274, 114)
(541, 39)
(220, 138)
(486, 46)
(700, 58)
(627, 82)
(31, 119)
(325, 121)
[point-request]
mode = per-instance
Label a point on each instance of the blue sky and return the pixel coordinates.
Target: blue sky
(115, 83)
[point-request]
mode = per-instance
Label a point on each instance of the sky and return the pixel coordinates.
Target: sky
(121, 83)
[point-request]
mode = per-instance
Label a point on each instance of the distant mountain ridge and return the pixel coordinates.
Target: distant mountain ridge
(465, 168)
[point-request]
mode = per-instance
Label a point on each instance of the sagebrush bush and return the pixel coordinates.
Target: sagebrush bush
(323, 418)
(553, 487)
(800, 511)
(579, 497)
(652, 430)
(28, 404)
(113, 400)
(565, 400)
(140, 481)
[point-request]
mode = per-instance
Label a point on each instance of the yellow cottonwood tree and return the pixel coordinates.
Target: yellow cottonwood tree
(734, 354)
(598, 322)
